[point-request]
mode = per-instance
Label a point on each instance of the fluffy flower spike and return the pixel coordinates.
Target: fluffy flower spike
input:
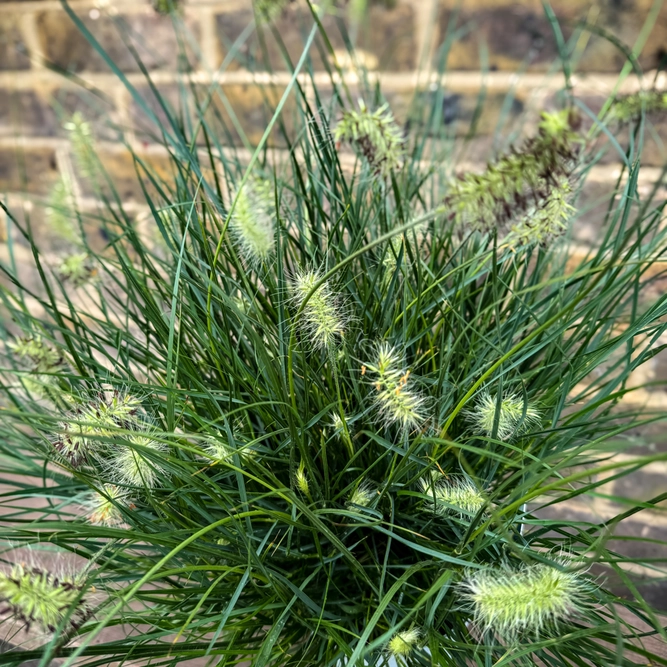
(630, 107)
(395, 401)
(35, 596)
(515, 415)
(253, 221)
(267, 10)
(301, 480)
(375, 135)
(219, 450)
(132, 467)
(321, 320)
(528, 599)
(81, 139)
(42, 357)
(362, 496)
(60, 211)
(528, 189)
(78, 269)
(103, 507)
(458, 495)
(403, 643)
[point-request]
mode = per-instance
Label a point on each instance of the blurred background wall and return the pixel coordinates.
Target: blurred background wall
(500, 72)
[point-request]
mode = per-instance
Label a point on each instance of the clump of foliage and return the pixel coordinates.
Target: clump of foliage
(327, 410)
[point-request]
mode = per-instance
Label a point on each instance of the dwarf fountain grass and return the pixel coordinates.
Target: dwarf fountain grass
(375, 135)
(78, 269)
(253, 220)
(131, 465)
(60, 211)
(506, 417)
(35, 596)
(456, 495)
(528, 599)
(395, 402)
(630, 107)
(322, 322)
(103, 507)
(405, 642)
(497, 354)
(82, 143)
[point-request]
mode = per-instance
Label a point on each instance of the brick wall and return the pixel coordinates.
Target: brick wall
(486, 42)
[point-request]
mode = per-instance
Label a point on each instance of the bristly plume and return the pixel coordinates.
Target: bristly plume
(78, 269)
(219, 451)
(362, 496)
(322, 321)
(404, 643)
(253, 221)
(528, 599)
(132, 465)
(520, 185)
(81, 140)
(35, 596)
(301, 480)
(61, 211)
(457, 495)
(514, 415)
(40, 356)
(395, 401)
(628, 108)
(375, 135)
(103, 508)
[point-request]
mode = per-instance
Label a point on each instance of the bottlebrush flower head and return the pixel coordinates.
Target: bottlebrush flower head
(131, 464)
(103, 507)
(253, 221)
(81, 140)
(78, 269)
(60, 211)
(519, 181)
(395, 400)
(41, 356)
(35, 596)
(322, 321)
(457, 495)
(220, 451)
(362, 496)
(514, 416)
(375, 135)
(403, 643)
(528, 599)
(631, 107)
(301, 480)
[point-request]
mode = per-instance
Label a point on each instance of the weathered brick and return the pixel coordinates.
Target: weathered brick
(152, 35)
(517, 33)
(386, 36)
(32, 170)
(13, 51)
(252, 106)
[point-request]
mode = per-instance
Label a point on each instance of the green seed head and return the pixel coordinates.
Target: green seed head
(35, 596)
(395, 401)
(362, 496)
(529, 599)
(457, 495)
(132, 467)
(253, 221)
(321, 320)
(60, 211)
(375, 135)
(78, 269)
(403, 643)
(627, 108)
(514, 416)
(103, 507)
(42, 357)
(81, 140)
(301, 480)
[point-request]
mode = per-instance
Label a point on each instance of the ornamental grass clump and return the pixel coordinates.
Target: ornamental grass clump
(317, 410)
